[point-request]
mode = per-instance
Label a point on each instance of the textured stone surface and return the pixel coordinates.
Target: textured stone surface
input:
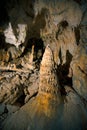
(11, 90)
(48, 110)
(48, 80)
(50, 88)
(79, 68)
(68, 12)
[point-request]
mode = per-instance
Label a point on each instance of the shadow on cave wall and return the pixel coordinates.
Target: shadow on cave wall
(4, 18)
(63, 70)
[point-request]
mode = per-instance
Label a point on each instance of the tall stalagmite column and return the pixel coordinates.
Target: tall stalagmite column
(48, 78)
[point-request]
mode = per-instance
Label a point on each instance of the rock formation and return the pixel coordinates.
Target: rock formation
(79, 70)
(47, 74)
(59, 14)
(43, 66)
(49, 110)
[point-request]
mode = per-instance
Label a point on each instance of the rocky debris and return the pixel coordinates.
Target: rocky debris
(32, 86)
(20, 70)
(16, 83)
(10, 90)
(43, 101)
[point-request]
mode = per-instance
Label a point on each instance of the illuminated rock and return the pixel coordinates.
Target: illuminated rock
(44, 107)
(49, 109)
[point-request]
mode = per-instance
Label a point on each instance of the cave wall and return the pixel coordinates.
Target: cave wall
(43, 52)
(35, 24)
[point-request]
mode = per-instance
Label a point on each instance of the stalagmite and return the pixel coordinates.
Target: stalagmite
(46, 103)
(43, 64)
(49, 109)
(48, 78)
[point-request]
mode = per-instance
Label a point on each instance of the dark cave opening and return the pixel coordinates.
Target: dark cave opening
(4, 18)
(77, 35)
(20, 101)
(61, 26)
(38, 48)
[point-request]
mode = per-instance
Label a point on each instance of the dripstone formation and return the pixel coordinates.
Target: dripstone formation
(43, 65)
(49, 110)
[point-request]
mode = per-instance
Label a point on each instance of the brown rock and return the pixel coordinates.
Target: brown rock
(79, 68)
(48, 79)
(47, 111)
(10, 90)
(43, 105)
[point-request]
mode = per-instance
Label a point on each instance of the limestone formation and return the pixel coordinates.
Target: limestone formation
(48, 110)
(62, 39)
(79, 70)
(4, 56)
(28, 64)
(43, 65)
(68, 12)
(66, 41)
(11, 90)
(48, 79)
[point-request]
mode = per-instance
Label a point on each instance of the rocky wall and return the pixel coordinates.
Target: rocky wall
(43, 66)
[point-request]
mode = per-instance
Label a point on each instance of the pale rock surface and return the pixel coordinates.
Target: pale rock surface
(68, 12)
(10, 36)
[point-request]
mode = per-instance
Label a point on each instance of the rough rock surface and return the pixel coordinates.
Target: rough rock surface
(18, 78)
(49, 110)
(62, 39)
(79, 70)
(43, 66)
(68, 12)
